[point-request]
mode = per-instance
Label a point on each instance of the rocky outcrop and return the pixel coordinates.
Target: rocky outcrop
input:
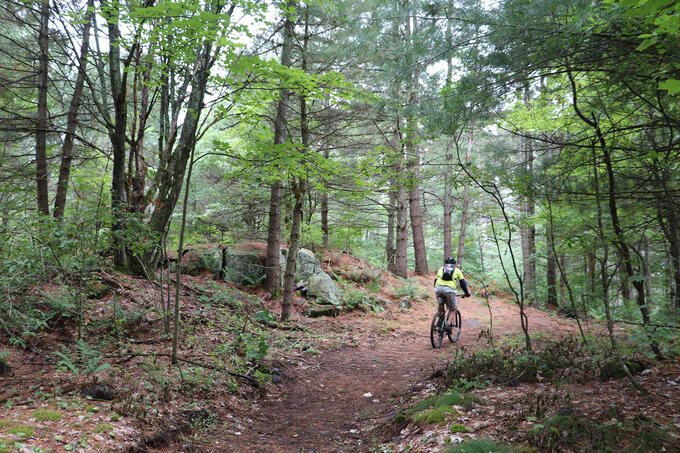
(323, 288)
(242, 267)
(306, 266)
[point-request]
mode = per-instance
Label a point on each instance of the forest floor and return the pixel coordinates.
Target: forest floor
(340, 384)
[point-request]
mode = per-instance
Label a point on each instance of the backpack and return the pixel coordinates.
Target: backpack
(447, 273)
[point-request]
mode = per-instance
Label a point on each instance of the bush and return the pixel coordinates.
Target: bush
(563, 360)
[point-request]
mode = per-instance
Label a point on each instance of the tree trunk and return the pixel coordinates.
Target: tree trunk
(401, 206)
(299, 189)
(448, 202)
(551, 267)
(416, 214)
(72, 118)
(117, 136)
(41, 114)
(389, 242)
(324, 209)
(272, 263)
(466, 204)
(528, 229)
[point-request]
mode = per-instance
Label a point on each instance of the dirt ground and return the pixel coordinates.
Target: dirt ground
(332, 402)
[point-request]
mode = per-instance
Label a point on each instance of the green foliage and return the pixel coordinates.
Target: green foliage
(357, 299)
(84, 361)
(410, 289)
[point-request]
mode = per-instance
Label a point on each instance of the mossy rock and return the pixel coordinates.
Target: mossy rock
(4, 367)
(614, 370)
(318, 311)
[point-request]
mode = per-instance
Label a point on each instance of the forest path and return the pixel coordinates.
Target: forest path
(324, 405)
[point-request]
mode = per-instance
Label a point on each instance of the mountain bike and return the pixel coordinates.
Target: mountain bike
(448, 323)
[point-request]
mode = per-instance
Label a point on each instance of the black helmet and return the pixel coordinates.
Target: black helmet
(449, 260)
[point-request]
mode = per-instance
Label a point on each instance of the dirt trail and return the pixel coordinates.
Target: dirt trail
(331, 402)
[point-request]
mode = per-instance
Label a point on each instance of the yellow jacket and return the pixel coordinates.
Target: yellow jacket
(453, 283)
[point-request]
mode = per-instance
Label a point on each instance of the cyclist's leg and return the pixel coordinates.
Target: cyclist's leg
(452, 303)
(441, 301)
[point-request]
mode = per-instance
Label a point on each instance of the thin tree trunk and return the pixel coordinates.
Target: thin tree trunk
(528, 227)
(324, 209)
(72, 118)
(551, 266)
(272, 262)
(180, 247)
(389, 241)
(466, 204)
(299, 190)
(448, 202)
(41, 114)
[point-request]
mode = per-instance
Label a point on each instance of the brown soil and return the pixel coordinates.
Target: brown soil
(332, 402)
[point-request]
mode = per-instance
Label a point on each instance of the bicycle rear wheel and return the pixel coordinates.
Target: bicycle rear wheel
(454, 327)
(436, 331)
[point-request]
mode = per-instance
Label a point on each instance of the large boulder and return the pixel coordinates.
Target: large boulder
(322, 286)
(306, 265)
(242, 267)
(199, 258)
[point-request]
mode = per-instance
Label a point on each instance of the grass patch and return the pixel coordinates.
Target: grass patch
(482, 446)
(103, 428)
(46, 415)
(22, 430)
(436, 415)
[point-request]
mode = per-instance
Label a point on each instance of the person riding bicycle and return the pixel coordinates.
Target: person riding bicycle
(448, 281)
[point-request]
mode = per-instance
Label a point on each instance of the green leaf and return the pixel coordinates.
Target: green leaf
(646, 43)
(671, 85)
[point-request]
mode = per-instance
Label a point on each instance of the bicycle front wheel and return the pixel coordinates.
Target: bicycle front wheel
(436, 331)
(454, 327)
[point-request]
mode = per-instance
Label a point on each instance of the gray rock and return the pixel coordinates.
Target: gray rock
(324, 289)
(306, 265)
(405, 303)
(242, 267)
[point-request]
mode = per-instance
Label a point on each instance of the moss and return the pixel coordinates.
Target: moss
(482, 446)
(22, 430)
(115, 417)
(465, 400)
(458, 428)
(44, 415)
(435, 415)
(6, 423)
(4, 448)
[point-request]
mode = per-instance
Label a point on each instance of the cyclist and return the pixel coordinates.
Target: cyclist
(448, 281)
